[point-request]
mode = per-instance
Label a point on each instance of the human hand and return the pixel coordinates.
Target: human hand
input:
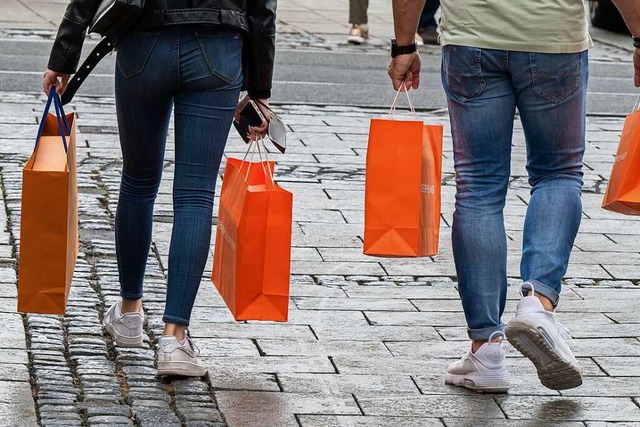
(636, 66)
(263, 105)
(254, 132)
(60, 80)
(405, 68)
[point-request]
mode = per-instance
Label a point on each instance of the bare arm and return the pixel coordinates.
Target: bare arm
(630, 10)
(406, 14)
(406, 68)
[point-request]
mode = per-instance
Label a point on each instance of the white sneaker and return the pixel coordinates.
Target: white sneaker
(537, 334)
(482, 371)
(175, 358)
(125, 329)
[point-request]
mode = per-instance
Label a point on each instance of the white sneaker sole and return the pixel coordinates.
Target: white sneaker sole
(481, 382)
(123, 341)
(554, 371)
(185, 369)
(355, 39)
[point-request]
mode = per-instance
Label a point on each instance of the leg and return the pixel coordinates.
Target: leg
(143, 120)
(204, 109)
(143, 105)
(481, 104)
(358, 11)
(553, 116)
(552, 92)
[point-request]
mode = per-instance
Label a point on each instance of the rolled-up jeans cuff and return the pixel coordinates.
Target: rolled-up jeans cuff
(484, 333)
(174, 319)
(542, 289)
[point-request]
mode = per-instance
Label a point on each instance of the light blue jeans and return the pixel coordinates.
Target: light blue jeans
(197, 73)
(484, 87)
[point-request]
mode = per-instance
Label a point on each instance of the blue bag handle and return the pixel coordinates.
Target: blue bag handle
(60, 116)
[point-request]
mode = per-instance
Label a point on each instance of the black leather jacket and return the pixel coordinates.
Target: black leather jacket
(255, 18)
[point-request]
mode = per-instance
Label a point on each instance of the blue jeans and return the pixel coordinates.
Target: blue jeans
(484, 88)
(197, 71)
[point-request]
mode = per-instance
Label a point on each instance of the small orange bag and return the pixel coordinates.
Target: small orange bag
(49, 216)
(623, 190)
(252, 254)
(402, 187)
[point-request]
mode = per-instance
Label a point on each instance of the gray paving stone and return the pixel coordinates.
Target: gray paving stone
(109, 420)
(483, 407)
(625, 317)
(278, 404)
(238, 366)
(218, 347)
(360, 304)
(248, 381)
(369, 421)
(606, 347)
(375, 349)
(275, 419)
(20, 412)
(606, 387)
(403, 292)
(13, 372)
(348, 384)
(606, 424)
(573, 409)
(620, 366)
(452, 422)
(249, 331)
(380, 333)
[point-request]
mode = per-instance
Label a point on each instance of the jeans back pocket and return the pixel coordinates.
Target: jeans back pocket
(223, 53)
(555, 75)
(461, 72)
(134, 50)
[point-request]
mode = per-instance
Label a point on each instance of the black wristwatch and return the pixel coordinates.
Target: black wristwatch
(402, 50)
(636, 41)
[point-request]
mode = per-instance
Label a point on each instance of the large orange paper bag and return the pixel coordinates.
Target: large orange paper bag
(49, 216)
(623, 190)
(402, 188)
(252, 256)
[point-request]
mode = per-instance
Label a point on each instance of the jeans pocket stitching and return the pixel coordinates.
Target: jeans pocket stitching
(143, 64)
(477, 76)
(576, 75)
(226, 79)
(450, 70)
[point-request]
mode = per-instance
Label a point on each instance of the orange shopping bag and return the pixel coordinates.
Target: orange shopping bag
(49, 216)
(402, 187)
(252, 255)
(623, 190)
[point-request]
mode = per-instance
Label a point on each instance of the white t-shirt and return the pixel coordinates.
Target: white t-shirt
(544, 26)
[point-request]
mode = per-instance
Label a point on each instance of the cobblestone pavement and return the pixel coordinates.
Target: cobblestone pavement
(368, 338)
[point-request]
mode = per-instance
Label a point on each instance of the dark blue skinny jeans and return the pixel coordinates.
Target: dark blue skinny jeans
(197, 72)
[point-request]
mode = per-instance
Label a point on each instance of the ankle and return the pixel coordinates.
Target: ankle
(546, 302)
(131, 305)
(476, 344)
(173, 329)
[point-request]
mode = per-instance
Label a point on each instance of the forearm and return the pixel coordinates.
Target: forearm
(406, 14)
(65, 53)
(630, 10)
